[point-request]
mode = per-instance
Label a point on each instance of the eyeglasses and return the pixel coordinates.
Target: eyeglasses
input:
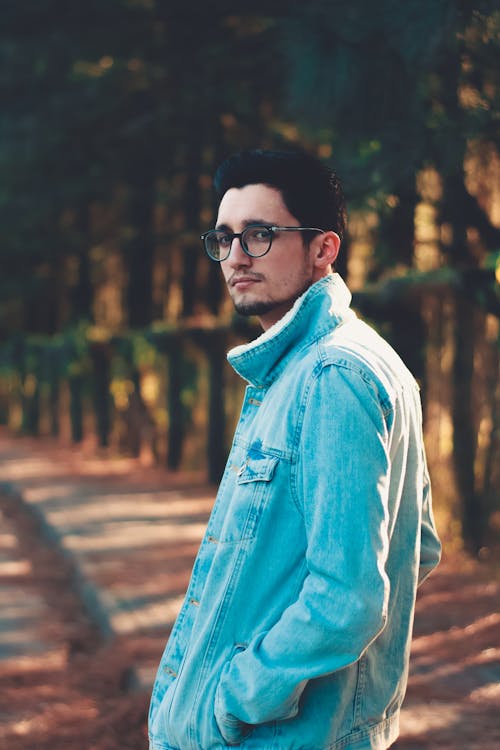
(255, 239)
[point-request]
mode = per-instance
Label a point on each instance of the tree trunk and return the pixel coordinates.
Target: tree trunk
(192, 208)
(397, 230)
(175, 410)
(454, 213)
(101, 362)
(76, 407)
(464, 433)
(54, 392)
(83, 293)
(140, 253)
(216, 446)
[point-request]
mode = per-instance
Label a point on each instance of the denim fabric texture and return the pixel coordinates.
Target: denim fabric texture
(295, 631)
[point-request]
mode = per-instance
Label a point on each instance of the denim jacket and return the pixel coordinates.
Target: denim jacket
(295, 631)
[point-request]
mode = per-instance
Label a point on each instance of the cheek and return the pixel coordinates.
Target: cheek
(294, 274)
(226, 271)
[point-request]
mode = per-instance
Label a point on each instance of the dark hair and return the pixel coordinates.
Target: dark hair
(311, 191)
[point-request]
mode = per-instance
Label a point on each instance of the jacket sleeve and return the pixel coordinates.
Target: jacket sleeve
(430, 546)
(340, 484)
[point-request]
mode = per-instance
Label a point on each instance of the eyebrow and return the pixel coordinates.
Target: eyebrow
(247, 223)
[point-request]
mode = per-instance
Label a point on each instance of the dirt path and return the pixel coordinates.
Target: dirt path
(61, 686)
(453, 698)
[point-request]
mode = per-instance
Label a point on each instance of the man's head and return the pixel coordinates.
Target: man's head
(310, 190)
(297, 196)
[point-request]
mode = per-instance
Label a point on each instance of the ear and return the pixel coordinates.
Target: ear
(325, 249)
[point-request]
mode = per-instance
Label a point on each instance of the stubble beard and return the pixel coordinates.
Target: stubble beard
(254, 308)
(262, 307)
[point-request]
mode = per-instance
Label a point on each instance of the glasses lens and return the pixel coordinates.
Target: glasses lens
(217, 244)
(257, 240)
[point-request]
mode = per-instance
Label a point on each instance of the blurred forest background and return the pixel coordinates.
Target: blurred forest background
(115, 114)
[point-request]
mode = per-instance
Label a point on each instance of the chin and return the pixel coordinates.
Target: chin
(253, 308)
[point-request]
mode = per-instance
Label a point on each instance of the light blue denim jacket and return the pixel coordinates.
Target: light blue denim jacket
(296, 627)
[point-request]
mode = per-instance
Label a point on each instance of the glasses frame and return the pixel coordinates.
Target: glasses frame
(240, 235)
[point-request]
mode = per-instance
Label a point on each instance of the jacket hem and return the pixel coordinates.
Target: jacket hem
(375, 737)
(155, 745)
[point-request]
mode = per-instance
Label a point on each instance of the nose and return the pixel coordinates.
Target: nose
(237, 256)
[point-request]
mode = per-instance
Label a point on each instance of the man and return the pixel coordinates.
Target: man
(296, 627)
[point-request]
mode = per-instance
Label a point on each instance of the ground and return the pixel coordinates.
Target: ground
(69, 688)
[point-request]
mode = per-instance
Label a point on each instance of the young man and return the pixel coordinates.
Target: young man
(296, 627)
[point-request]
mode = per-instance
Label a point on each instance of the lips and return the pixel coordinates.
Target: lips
(241, 282)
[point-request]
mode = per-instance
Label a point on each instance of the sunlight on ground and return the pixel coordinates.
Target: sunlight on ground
(15, 567)
(20, 638)
(487, 694)
(426, 718)
(140, 505)
(41, 494)
(8, 541)
(26, 467)
(54, 659)
(148, 616)
(44, 717)
(130, 535)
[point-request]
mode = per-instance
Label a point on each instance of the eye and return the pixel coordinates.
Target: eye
(258, 234)
(224, 239)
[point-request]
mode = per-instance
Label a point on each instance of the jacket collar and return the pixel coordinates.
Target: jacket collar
(314, 314)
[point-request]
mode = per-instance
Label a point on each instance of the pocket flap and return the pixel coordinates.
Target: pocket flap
(257, 468)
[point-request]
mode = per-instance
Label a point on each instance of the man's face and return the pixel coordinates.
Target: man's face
(266, 286)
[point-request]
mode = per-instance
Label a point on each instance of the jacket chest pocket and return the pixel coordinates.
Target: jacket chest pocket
(246, 498)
